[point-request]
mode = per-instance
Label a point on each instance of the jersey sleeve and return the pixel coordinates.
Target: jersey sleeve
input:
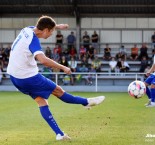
(35, 46)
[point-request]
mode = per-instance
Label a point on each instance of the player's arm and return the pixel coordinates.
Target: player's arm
(61, 26)
(152, 69)
(51, 63)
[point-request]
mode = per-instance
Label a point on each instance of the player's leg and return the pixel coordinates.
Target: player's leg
(47, 115)
(152, 88)
(68, 98)
(148, 90)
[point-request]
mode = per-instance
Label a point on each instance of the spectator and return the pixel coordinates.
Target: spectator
(48, 52)
(91, 52)
(59, 38)
(143, 52)
(95, 39)
(153, 40)
(57, 50)
(73, 65)
(73, 52)
(86, 40)
(123, 52)
(120, 55)
(71, 40)
(107, 53)
(82, 52)
(84, 65)
(122, 65)
(89, 78)
(112, 64)
(96, 64)
(134, 53)
(65, 53)
(144, 64)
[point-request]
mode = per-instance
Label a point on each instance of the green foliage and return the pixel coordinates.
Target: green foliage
(120, 120)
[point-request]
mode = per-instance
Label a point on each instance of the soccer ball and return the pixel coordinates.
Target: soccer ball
(136, 89)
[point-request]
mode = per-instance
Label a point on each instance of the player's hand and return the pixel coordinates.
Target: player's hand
(62, 26)
(147, 74)
(67, 70)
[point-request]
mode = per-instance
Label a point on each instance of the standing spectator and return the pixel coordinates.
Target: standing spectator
(143, 52)
(144, 64)
(107, 53)
(48, 52)
(112, 64)
(95, 39)
(59, 38)
(96, 63)
(153, 40)
(86, 40)
(71, 40)
(134, 52)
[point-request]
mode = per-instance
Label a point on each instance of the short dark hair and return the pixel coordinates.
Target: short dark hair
(45, 22)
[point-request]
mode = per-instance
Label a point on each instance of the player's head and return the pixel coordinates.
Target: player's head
(47, 25)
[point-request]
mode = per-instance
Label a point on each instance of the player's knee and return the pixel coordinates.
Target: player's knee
(41, 101)
(152, 86)
(58, 92)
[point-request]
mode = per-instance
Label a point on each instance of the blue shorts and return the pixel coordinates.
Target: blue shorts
(35, 86)
(150, 80)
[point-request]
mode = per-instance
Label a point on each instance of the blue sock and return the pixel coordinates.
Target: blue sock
(68, 98)
(148, 92)
(46, 114)
(152, 94)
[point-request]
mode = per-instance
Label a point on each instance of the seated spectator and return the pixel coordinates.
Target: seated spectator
(73, 66)
(73, 52)
(112, 64)
(48, 52)
(122, 65)
(89, 78)
(143, 52)
(91, 52)
(82, 52)
(120, 55)
(71, 40)
(144, 64)
(96, 64)
(65, 53)
(57, 50)
(134, 53)
(123, 52)
(84, 65)
(95, 39)
(107, 53)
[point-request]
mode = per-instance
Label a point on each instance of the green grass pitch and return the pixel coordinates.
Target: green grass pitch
(120, 120)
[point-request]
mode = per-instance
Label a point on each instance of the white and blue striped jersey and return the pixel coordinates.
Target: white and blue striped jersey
(22, 63)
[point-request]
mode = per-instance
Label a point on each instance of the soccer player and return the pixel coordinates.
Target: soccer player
(150, 81)
(23, 70)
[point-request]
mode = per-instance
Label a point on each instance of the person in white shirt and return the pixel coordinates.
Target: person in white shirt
(23, 71)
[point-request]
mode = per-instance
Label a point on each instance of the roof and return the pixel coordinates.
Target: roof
(79, 8)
